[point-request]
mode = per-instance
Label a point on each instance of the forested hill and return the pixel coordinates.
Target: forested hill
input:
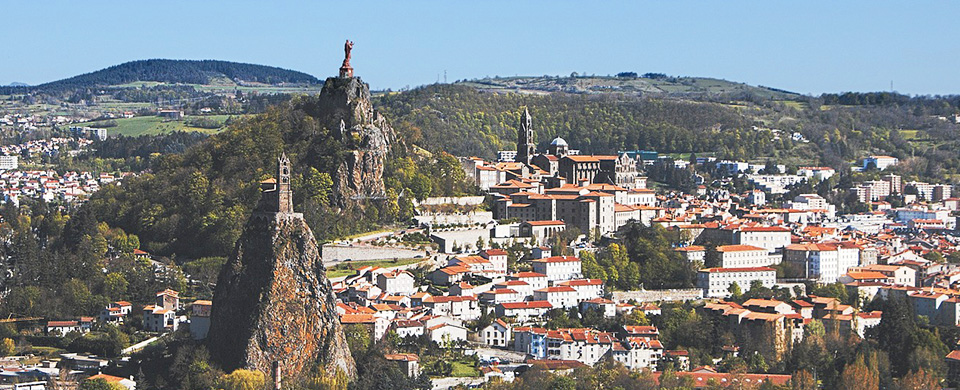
(180, 71)
(464, 121)
(833, 130)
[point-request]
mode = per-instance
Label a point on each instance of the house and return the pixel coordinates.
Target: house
(558, 268)
(523, 311)
(953, 368)
(708, 378)
(158, 319)
(498, 258)
(376, 326)
(115, 312)
(449, 275)
(406, 328)
(500, 295)
(534, 279)
(396, 283)
(447, 333)
(541, 252)
(168, 299)
(558, 296)
(200, 318)
(606, 307)
(61, 328)
(586, 288)
(497, 334)
(171, 114)
(460, 307)
(647, 331)
(409, 363)
(128, 384)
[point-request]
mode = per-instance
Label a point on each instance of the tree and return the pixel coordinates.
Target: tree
(803, 380)
(919, 380)
(115, 285)
(99, 384)
(7, 347)
(860, 375)
(735, 293)
(243, 380)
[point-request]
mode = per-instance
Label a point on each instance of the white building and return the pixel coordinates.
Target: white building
(558, 296)
(744, 256)
(771, 238)
(586, 288)
(559, 267)
(496, 334)
(158, 319)
(9, 163)
(396, 283)
(716, 282)
(523, 311)
(880, 162)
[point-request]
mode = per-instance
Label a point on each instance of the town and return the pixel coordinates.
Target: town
(501, 286)
(406, 196)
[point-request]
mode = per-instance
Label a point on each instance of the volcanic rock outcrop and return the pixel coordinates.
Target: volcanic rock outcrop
(344, 107)
(273, 302)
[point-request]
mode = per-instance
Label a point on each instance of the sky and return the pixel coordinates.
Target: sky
(810, 47)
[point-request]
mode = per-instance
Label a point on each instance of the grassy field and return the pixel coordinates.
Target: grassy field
(461, 369)
(152, 125)
(347, 268)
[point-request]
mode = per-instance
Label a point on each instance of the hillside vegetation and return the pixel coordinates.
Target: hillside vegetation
(180, 71)
(194, 204)
(465, 120)
(650, 84)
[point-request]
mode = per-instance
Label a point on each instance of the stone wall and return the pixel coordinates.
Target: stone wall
(335, 252)
(691, 294)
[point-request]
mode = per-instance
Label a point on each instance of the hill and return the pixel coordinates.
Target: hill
(467, 119)
(180, 71)
(650, 84)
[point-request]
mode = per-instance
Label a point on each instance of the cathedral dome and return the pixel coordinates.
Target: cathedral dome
(558, 142)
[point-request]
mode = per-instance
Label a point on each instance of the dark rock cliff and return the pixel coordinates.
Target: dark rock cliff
(273, 303)
(345, 108)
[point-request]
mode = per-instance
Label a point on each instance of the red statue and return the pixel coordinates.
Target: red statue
(345, 69)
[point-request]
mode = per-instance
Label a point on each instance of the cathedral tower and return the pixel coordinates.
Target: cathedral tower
(525, 146)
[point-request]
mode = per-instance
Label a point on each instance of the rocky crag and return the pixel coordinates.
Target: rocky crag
(273, 302)
(344, 107)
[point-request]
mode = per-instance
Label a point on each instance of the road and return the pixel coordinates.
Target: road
(446, 383)
(503, 355)
(138, 346)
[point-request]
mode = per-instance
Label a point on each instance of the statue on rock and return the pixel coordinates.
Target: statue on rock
(345, 69)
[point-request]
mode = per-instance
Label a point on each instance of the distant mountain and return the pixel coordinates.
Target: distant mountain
(650, 84)
(17, 84)
(180, 71)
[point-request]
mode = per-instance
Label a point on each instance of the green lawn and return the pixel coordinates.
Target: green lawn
(461, 369)
(347, 268)
(152, 125)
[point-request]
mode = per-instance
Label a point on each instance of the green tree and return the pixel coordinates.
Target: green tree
(115, 285)
(735, 293)
(7, 347)
(243, 380)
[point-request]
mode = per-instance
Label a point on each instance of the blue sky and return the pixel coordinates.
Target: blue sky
(807, 47)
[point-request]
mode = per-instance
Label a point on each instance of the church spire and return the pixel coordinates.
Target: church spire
(525, 146)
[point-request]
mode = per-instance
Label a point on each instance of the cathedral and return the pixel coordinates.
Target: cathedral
(561, 165)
